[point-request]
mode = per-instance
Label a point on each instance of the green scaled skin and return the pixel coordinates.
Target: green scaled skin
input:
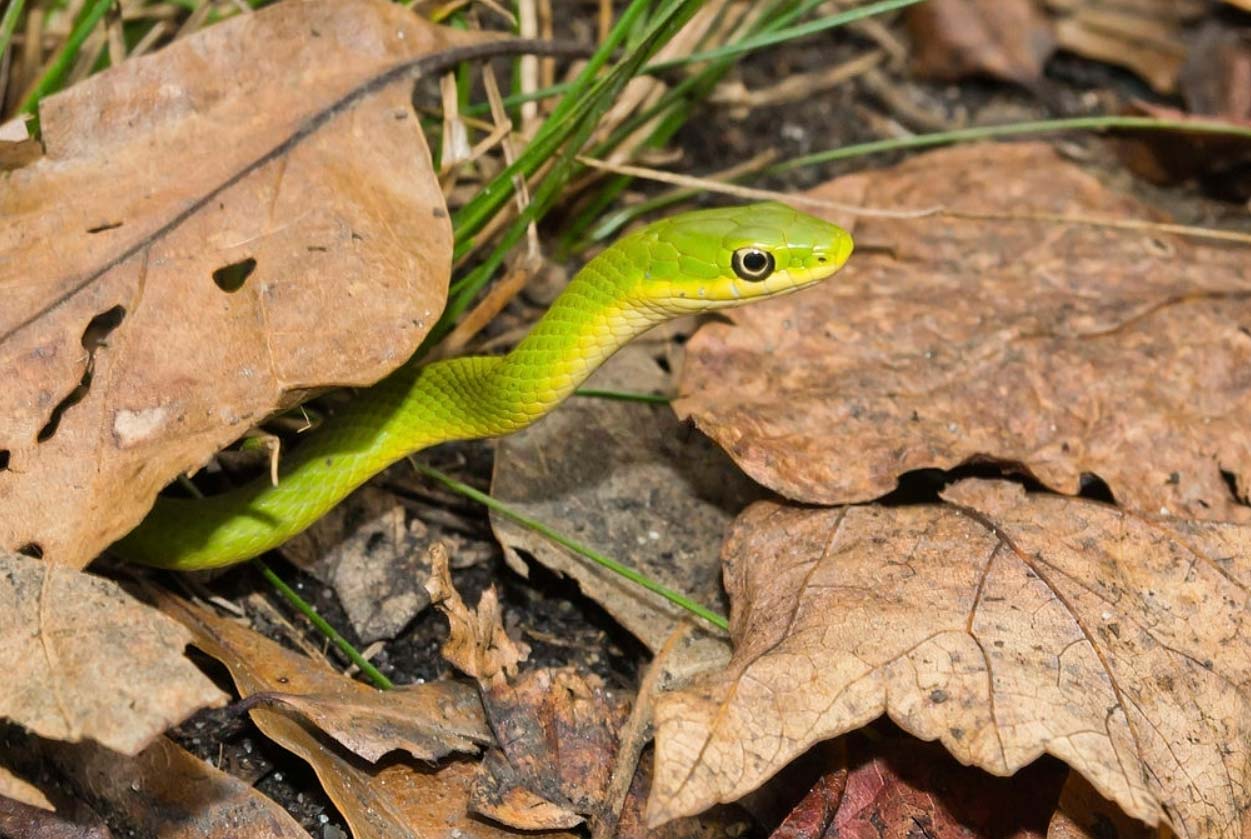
(693, 262)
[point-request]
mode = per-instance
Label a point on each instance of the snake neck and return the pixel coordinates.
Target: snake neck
(589, 322)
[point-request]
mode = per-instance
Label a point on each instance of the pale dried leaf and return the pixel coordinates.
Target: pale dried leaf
(477, 643)
(167, 792)
(631, 481)
(167, 170)
(429, 721)
(1004, 625)
(1146, 40)
(83, 660)
(1064, 348)
(1005, 39)
(17, 789)
(395, 801)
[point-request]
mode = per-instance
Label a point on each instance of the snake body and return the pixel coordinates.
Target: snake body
(692, 262)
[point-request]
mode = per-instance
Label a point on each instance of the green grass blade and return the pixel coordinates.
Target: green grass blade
(54, 75)
(611, 564)
(8, 23)
(323, 626)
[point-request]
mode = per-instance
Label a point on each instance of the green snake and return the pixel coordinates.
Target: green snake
(684, 264)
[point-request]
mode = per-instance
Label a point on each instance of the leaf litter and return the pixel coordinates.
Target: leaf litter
(629, 480)
(395, 798)
(1003, 625)
(1057, 349)
(309, 246)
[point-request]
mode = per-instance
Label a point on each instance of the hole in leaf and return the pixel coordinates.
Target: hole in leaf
(230, 278)
(34, 550)
(100, 228)
(663, 363)
(1095, 488)
(94, 337)
(1231, 481)
(4, 459)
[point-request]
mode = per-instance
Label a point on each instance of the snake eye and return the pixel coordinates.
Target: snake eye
(752, 264)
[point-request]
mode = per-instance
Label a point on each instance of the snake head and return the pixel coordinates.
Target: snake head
(728, 256)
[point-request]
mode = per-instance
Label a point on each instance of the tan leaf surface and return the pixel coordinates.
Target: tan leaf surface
(17, 789)
(631, 481)
(1001, 624)
(167, 792)
(477, 643)
(429, 721)
(1066, 348)
(83, 660)
(1145, 37)
(397, 799)
(129, 359)
(954, 39)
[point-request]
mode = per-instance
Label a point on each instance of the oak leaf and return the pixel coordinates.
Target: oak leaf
(1002, 624)
(1060, 349)
(245, 216)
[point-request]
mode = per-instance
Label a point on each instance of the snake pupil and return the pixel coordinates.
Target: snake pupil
(752, 264)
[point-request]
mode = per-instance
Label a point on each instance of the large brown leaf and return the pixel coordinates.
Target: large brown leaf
(1003, 625)
(1069, 348)
(83, 660)
(275, 151)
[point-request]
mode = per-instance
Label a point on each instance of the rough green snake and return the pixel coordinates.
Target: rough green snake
(688, 263)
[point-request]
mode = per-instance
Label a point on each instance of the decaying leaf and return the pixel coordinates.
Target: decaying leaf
(1064, 348)
(1003, 625)
(629, 480)
(477, 643)
(166, 791)
(891, 788)
(83, 660)
(429, 721)
(222, 247)
(396, 799)
(373, 554)
(557, 732)
(1006, 39)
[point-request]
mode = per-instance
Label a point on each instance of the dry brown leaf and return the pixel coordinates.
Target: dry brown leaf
(1068, 349)
(83, 660)
(169, 180)
(169, 793)
(477, 643)
(1145, 37)
(1085, 814)
(1219, 163)
(627, 479)
(429, 721)
(395, 800)
(728, 822)
(1006, 39)
(1004, 625)
(17, 789)
(373, 554)
(557, 732)
(897, 785)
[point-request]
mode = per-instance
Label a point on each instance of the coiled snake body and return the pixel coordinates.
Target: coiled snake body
(693, 262)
